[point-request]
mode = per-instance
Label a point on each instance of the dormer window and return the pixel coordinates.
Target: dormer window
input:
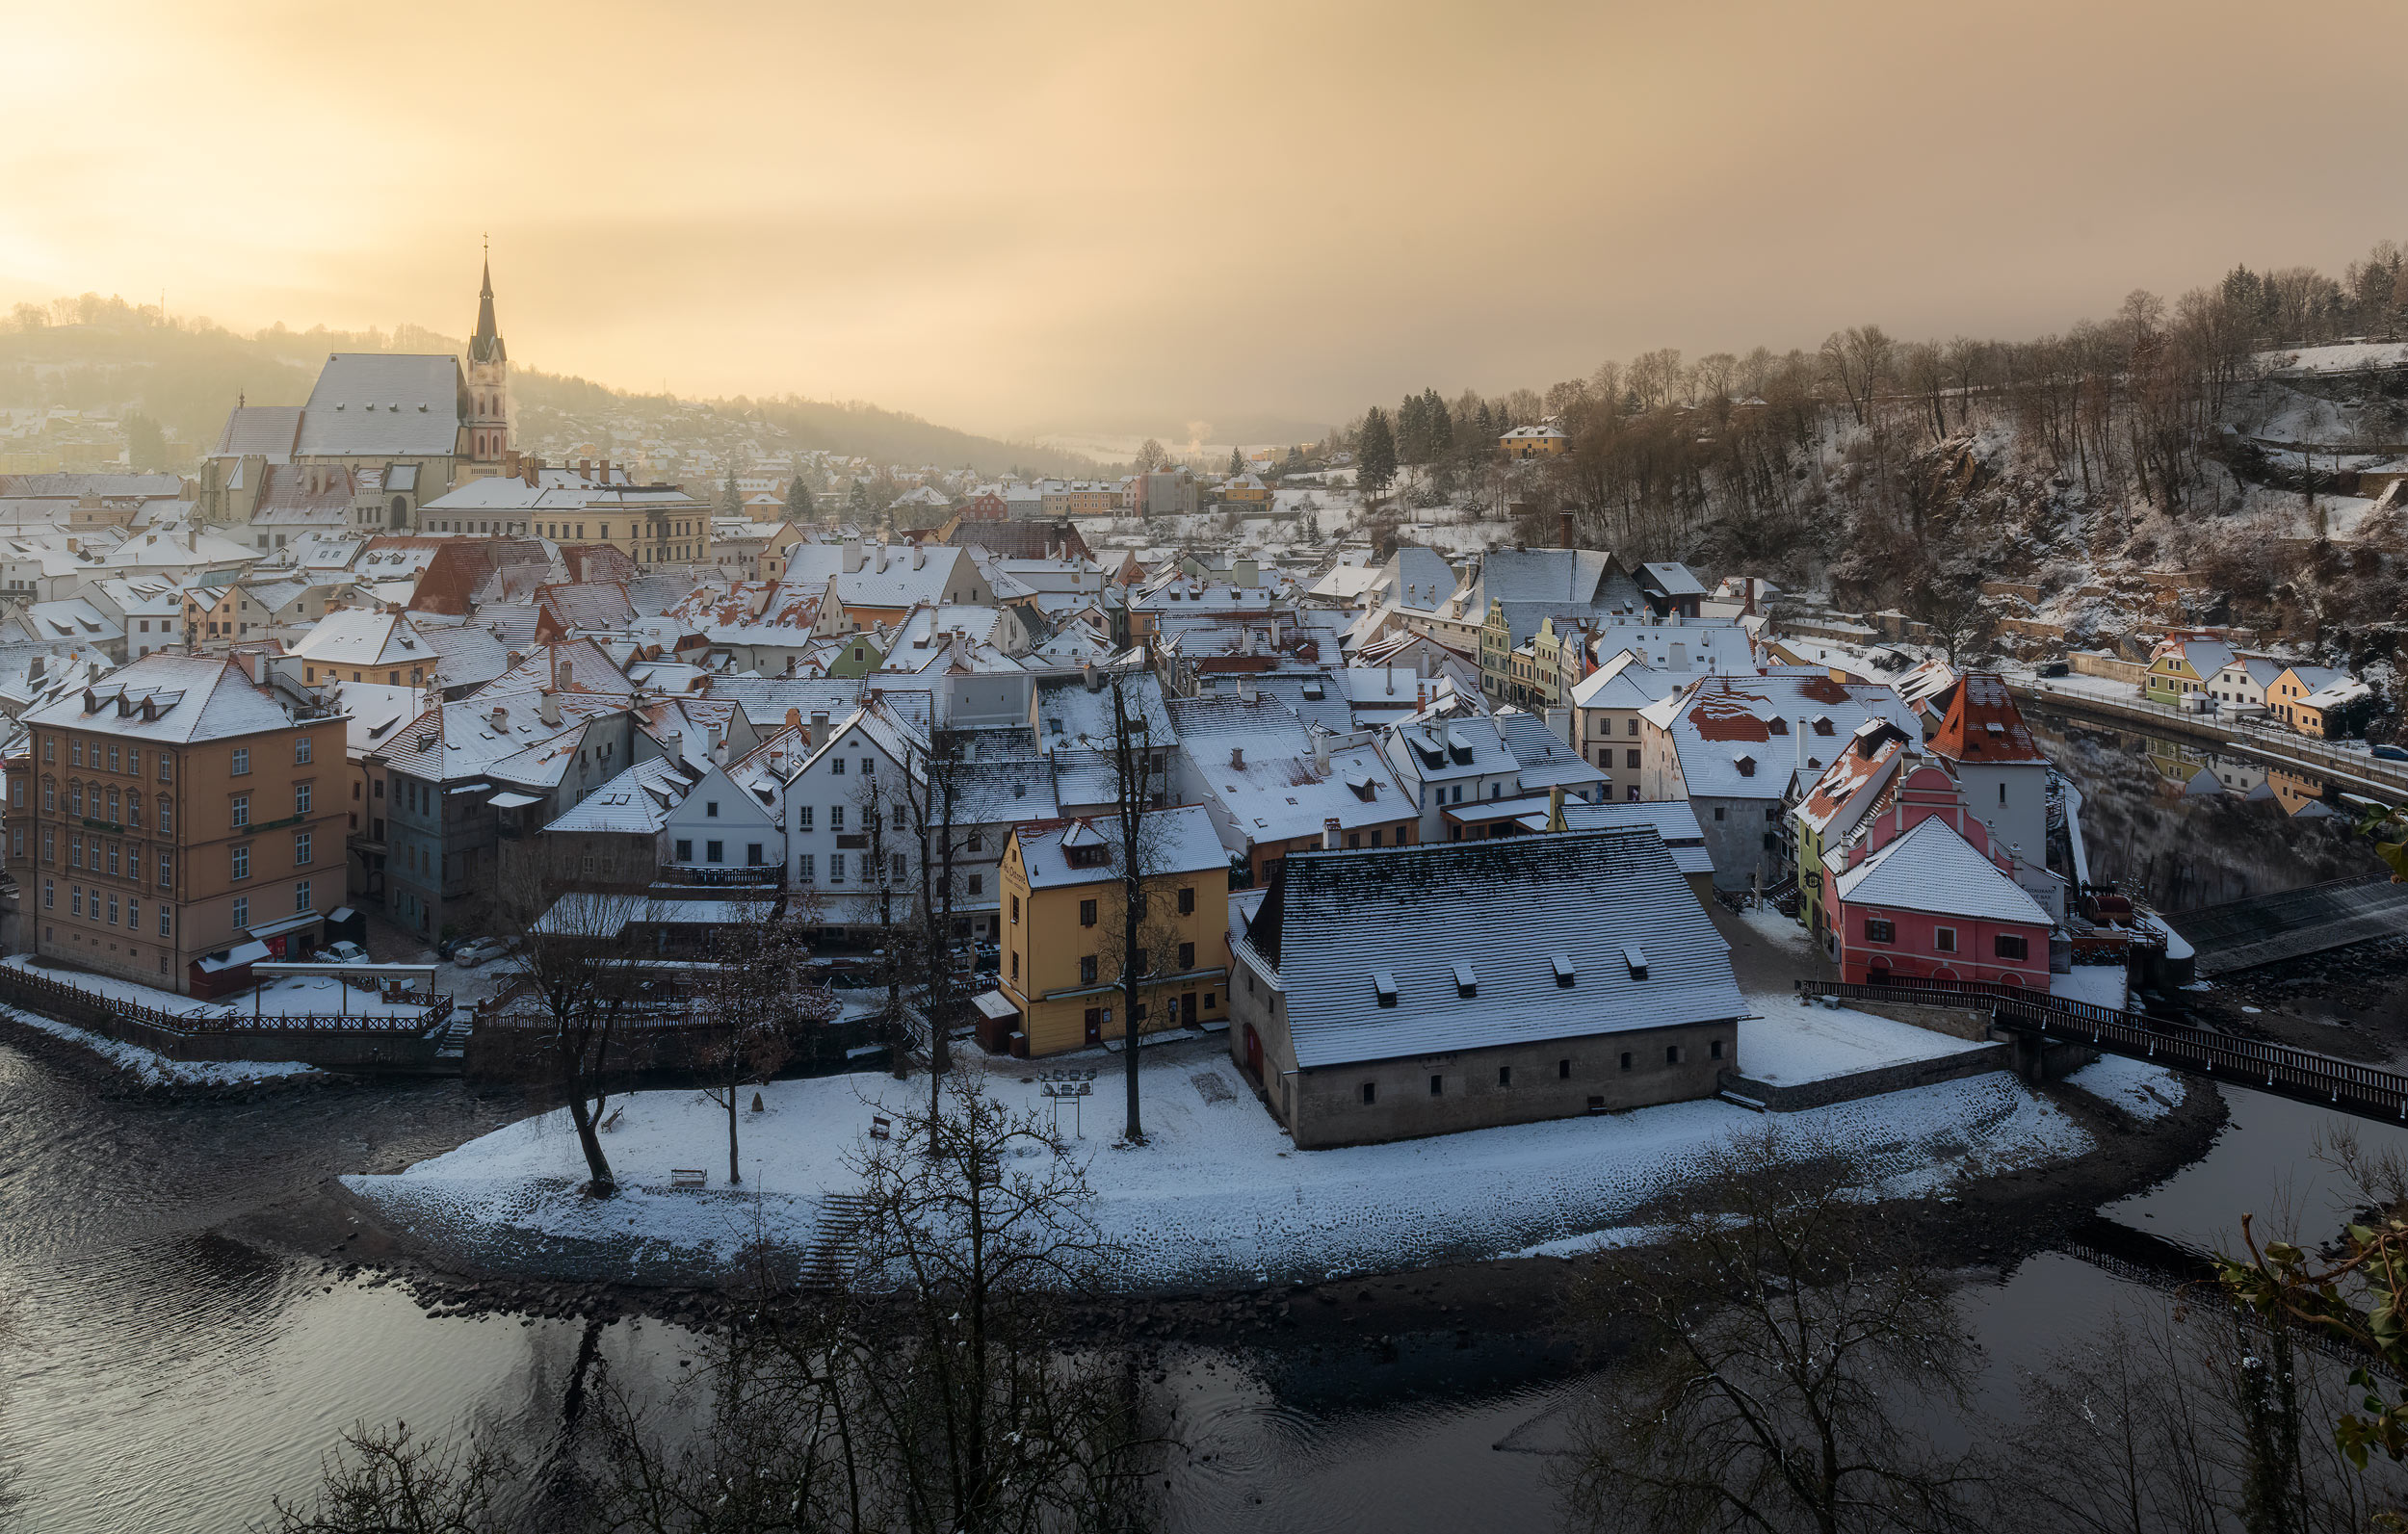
(1384, 987)
(1563, 972)
(1777, 726)
(1635, 958)
(1466, 981)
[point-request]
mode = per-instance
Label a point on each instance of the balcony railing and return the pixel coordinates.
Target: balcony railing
(752, 876)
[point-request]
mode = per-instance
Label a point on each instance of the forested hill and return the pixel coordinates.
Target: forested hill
(94, 353)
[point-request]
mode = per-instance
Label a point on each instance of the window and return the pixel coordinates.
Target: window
(1629, 759)
(1671, 1054)
(134, 762)
(242, 810)
(977, 842)
(1087, 969)
(75, 751)
(50, 750)
(1371, 1093)
(713, 851)
(869, 765)
(166, 922)
(242, 866)
(166, 768)
(1015, 910)
(300, 749)
(1626, 1059)
(166, 870)
(1715, 1048)
(1015, 964)
(803, 817)
(1563, 1070)
(1718, 812)
(1187, 956)
(49, 894)
(242, 911)
(1943, 939)
(1438, 1086)
(75, 899)
(301, 798)
(836, 818)
(2001, 793)
(1877, 931)
(1505, 1076)
(242, 761)
(2012, 948)
(133, 914)
(836, 765)
(806, 868)
(113, 758)
(75, 799)
(685, 850)
(301, 897)
(1086, 913)
(300, 849)
(49, 795)
(167, 814)
(836, 868)
(978, 884)
(752, 854)
(711, 809)
(75, 851)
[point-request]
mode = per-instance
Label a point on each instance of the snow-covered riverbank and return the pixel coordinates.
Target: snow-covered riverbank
(1217, 1197)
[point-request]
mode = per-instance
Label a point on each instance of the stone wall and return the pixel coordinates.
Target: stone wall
(1872, 1083)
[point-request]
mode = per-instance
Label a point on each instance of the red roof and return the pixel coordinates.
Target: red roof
(1983, 724)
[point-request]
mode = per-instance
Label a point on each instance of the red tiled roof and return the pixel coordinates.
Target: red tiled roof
(1965, 734)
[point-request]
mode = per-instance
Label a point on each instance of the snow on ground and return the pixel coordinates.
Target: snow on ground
(150, 1066)
(1785, 932)
(2143, 1090)
(2099, 984)
(298, 995)
(1218, 1195)
(1793, 1043)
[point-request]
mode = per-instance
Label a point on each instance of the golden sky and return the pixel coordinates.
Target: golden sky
(1021, 218)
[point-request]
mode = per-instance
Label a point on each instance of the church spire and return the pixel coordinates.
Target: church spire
(486, 345)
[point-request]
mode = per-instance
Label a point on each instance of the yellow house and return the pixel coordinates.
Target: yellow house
(1533, 442)
(1061, 887)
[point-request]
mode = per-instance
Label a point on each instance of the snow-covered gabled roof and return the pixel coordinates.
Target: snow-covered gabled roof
(364, 637)
(189, 699)
(1179, 840)
(635, 803)
(1933, 870)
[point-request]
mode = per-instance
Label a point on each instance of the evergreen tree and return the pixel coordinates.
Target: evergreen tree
(1237, 463)
(859, 500)
(1438, 423)
(1376, 455)
(798, 505)
(731, 502)
(1411, 435)
(1295, 460)
(145, 443)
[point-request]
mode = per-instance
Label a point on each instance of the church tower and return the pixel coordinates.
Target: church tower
(488, 388)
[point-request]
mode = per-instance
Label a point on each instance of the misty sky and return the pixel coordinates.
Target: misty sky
(1126, 217)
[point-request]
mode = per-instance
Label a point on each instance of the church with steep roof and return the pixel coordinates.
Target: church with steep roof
(385, 431)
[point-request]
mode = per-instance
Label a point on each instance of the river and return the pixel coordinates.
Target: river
(161, 1378)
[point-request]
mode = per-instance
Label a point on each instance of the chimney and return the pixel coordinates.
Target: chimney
(1245, 687)
(1093, 678)
(510, 464)
(819, 728)
(1555, 808)
(501, 718)
(533, 467)
(719, 744)
(1321, 750)
(548, 709)
(606, 471)
(1237, 755)
(1329, 834)
(1801, 743)
(585, 466)
(673, 746)
(560, 672)
(1420, 697)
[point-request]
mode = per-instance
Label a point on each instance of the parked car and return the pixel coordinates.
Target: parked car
(343, 953)
(2390, 753)
(476, 950)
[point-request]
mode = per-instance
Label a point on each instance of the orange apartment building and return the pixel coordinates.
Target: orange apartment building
(172, 811)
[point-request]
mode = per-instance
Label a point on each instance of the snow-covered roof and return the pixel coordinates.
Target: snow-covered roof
(363, 637)
(1510, 913)
(181, 699)
(635, 803)
(1934, 871)
(1179, 841)
(378, 403)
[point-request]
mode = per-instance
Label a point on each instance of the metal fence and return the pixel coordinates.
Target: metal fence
(2364, 1090)
(75, 1003)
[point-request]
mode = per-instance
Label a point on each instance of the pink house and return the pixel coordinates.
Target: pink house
(1924, 899)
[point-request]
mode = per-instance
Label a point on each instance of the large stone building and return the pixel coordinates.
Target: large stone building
(1382, 994)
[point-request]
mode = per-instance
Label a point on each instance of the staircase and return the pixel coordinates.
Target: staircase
(451, 1041)
(828, 1263)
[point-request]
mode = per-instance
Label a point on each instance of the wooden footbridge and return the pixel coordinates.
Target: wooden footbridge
(2365, 1091)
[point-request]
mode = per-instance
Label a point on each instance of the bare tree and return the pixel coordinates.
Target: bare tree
(1788, 1366)
(398, 1483)
(574, 961)
(881, 808)
(756, 997)
(931, 803)
(1133, 754)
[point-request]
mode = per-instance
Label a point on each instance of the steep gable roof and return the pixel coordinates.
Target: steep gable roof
(1933, 870)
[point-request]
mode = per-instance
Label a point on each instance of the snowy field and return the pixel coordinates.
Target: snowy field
(150, 1067)
(298, 995)
(1217, 1197)
(1793, 1043)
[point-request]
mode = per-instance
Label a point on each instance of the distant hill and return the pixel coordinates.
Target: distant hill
(105, 354)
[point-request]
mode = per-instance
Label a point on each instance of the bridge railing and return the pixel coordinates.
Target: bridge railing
(2277, 1068)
